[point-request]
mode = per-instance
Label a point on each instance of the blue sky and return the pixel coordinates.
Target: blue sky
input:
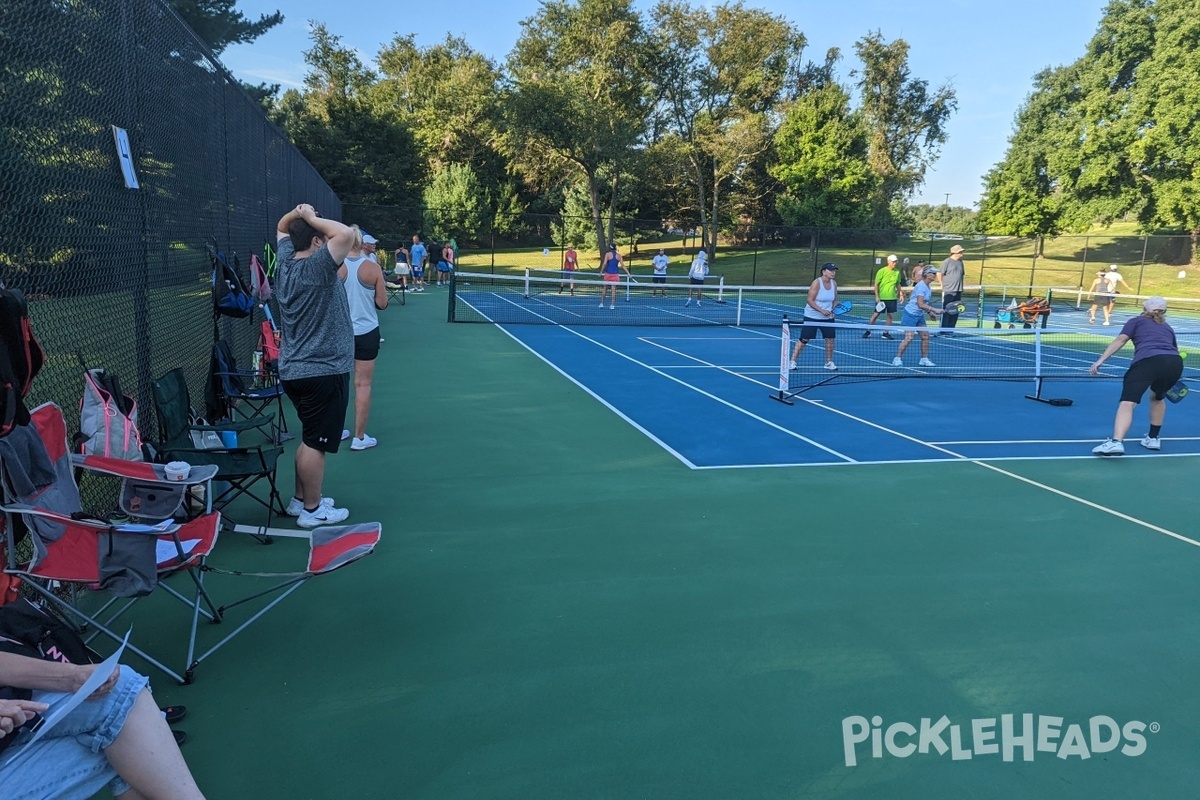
(989, 52)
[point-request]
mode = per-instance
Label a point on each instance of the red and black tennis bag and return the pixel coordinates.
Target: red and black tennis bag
(21, 357)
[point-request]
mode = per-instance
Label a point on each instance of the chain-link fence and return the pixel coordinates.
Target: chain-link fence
(115, 274)
(770, 255)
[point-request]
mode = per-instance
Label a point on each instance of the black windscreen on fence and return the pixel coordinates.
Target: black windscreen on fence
(121, 275)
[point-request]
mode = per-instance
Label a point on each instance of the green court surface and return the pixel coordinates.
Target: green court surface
(560, 609)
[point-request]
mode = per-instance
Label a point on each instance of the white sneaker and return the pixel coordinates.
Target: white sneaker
(688, 303)
(1107, 323)
(602, 305)
(896, 362)
(324, 515)
(614, 305)
(363, 443)
(925, 362)
(295, 506)
(1151, 442)
(697, 304)
(829, 365)
(345, 435)
(1109, 447)
(791, 365)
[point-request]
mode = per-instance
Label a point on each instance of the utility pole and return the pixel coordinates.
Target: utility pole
(947, 199)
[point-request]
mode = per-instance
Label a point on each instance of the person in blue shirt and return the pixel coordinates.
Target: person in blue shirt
(914, 317)
(418, 255)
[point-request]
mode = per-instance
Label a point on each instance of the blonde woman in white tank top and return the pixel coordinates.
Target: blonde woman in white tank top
(818, 308)
(366, 292)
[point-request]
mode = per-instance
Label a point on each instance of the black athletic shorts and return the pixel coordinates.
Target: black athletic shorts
(321, 406)
(811, 327)
(889, 305)
(366, 346)
(660, 278)
(1157, 373)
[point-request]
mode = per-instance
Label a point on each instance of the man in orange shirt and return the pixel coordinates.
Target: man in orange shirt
(570, 264)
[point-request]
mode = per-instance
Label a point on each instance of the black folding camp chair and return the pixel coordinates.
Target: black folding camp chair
(243, 466)
(395, 289)
(247, 393)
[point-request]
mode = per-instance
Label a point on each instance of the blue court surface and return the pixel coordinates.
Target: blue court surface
(704, 394)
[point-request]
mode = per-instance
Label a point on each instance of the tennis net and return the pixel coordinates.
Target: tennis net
(537, 299)
(1034, 354)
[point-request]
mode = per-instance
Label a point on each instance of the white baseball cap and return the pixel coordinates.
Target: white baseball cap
(369, 239)
(893, 257)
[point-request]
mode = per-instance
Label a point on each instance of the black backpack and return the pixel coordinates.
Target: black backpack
(229, 294)
(21, 357)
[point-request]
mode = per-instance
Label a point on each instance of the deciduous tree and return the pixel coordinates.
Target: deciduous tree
(905, 120)
(577, 99)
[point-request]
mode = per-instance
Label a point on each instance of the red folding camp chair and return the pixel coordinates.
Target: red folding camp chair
(68, 549)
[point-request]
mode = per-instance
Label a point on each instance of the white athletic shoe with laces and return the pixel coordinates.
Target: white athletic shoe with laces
(791, 365)
(829, 365)
(324, 515)
(362, 444)
(1109, 447)
(1151, 442)
(896, 362)
(295, 506)
(925, 362)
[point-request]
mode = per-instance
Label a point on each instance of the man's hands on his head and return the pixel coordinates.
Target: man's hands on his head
(281, 230)
(339, 238)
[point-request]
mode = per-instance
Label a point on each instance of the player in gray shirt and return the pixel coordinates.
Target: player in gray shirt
(316, 351)
(951, 279)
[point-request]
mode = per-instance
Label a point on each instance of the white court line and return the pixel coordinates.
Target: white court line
(711, 396)
(1065, 441)
(954, 460)
(1105, 509)
(954, 456)
(673, 379)
(989, 466)
(682, 459)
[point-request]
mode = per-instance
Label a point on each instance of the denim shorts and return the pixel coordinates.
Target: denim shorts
(69, 761)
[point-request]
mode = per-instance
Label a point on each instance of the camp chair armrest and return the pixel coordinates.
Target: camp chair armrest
(239, 373)
(84, 522)
(142, 471)
(237, 426)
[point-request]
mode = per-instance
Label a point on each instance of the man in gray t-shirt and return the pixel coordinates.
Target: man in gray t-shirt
(316, 350)
(951, 279)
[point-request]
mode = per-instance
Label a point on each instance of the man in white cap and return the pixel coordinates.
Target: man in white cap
(368, 248)
(950, 277)
(1113, 276)
(888, 292)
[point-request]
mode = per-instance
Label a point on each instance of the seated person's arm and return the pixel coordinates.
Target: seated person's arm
(23, 672)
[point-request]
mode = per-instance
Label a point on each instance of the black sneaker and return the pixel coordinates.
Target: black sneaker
(887, 335)
(867, 335)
